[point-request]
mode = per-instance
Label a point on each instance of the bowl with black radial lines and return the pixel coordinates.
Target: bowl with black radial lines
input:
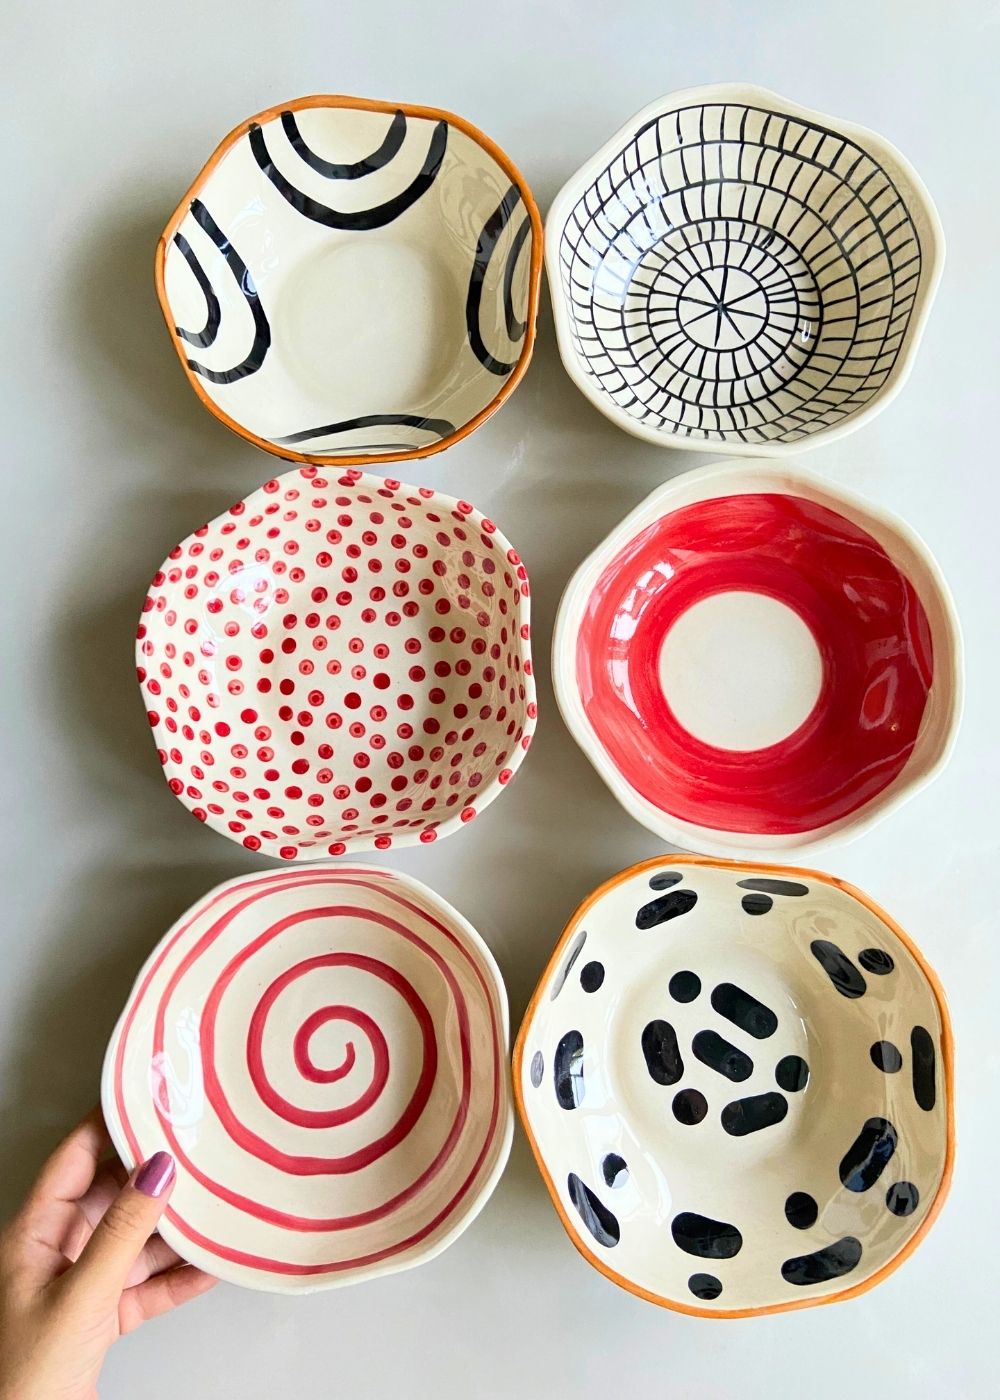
(732, 269)
(737, 1083)
(353, 280)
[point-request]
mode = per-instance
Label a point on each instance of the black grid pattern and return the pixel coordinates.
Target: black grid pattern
(737, 274)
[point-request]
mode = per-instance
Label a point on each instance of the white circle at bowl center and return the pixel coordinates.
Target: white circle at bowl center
(366, 323)
(740, 670)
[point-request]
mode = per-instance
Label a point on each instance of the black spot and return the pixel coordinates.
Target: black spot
(744, 1116)
(614, 1170)
(704, 1286)
(886, 1057)
(708, 1239)
(839, 968)
(791, 1073)
(922, 1067)
(668, 906)
(868, 1155)
(765, 886)
(684, 986)
(689, 1106)
(757, 903)
(567, 1070)
(744, 1011)
(664, 881)
(832, 1262)
(721, 1056)
(537, 1068)
(662, 1053)
(576, 947)
(801, 1210)
(592, 976)
(902, 1198)
(594, 1213)
(876, 961)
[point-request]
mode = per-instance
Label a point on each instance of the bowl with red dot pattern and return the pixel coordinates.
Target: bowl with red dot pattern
(339, 663)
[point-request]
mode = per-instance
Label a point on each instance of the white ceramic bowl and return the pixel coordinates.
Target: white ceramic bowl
(734, 269)
(339, 662)
(757, 661)
(737, 1083)
(323, 1051)
(353, 279)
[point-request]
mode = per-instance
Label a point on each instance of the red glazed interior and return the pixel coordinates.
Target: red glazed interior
(869, 626)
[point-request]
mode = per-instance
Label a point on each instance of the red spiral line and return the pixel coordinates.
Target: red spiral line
(281, 881)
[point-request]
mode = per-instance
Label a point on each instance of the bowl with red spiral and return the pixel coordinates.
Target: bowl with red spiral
(323, 1050)
(338, 663)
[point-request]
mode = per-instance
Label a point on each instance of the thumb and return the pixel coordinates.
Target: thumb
(100, 1273)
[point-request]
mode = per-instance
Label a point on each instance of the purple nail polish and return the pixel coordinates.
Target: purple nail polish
(156, 1174)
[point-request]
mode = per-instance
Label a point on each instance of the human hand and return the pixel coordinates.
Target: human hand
(80, 1265)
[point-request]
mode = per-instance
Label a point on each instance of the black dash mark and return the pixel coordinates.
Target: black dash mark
(832, 1262)
(721, 1056)
(600, 1221)
(922, 1064)
(537, 1068)
(567, 1070)
(744, 1010)
(668, 906)
(705, 1286)
(664, 881)
(868, 1155)
(757, 903)
(763, 886)
(876, 960)
(662, 1053)
(707, 1238)
(839, 968)
(750, 1115)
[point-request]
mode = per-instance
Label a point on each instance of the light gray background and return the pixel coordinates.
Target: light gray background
(110, 460)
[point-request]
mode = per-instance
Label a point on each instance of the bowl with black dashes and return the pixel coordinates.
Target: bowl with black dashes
(737, 1083)
(732, 269)
(352, 279)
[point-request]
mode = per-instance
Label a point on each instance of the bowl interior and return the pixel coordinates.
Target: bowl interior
(735, 1084)
(338, 662)
(323, 1052)
(352, 280)
(736, 270)
(752, 659)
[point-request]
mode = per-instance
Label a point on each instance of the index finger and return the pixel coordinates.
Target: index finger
(71, 1168)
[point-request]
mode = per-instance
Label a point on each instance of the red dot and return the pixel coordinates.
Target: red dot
(247, 716)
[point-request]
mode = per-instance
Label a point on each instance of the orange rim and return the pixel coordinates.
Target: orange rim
(947, 1057)
(364, 104)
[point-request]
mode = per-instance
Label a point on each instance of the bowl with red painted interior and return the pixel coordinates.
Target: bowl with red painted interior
(737, 1083)
(757, 660)
(339, 663)
(732, 271)
(323, 1051)
(353, 280)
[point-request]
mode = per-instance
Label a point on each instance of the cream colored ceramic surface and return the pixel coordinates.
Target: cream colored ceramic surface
(734, 270)
(757, 686)
(673, 1168)
(373, 1120)
(372, 274)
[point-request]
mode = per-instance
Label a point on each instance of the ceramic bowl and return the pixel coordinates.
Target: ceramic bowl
(353, 280)
(737, 1082)
(756, 660)
(323, 1051)
(734, 269)
(339, 662)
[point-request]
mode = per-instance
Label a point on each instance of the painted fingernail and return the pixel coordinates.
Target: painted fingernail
(156, 1174)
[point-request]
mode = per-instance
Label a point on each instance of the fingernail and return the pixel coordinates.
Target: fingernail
(156, 1174)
